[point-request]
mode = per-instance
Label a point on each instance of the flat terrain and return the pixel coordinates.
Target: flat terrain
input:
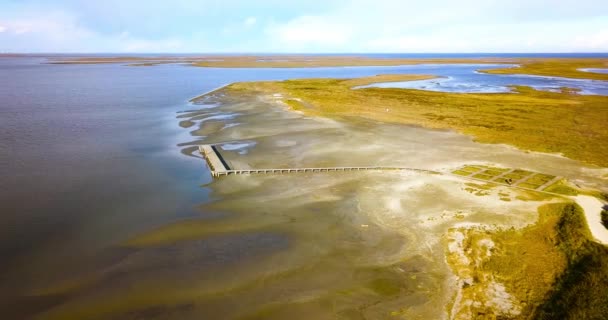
(273, 61)
(568, 68)
(562, 67)
(565, 122)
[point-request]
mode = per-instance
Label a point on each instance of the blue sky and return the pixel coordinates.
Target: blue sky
(303, 26)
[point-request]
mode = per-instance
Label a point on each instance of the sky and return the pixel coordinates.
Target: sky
(310, 26)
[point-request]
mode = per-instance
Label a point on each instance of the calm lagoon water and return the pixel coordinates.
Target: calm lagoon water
(93, 157)
(465, 79)
(595, 70)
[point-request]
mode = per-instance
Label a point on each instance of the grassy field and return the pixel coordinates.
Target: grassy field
(567, 123)
(557, 67)
(581, 290)
(551, 269)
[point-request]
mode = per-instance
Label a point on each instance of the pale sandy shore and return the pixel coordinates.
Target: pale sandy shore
(593, 208)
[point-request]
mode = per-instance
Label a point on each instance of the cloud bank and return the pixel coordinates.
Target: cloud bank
(298, 26)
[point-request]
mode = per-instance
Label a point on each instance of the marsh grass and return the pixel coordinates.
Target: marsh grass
(471, 169)
(551, 267)
(461, 172)
(563, 187)
(581, 291)
(540, 179)
(529, 119)
(556, 67)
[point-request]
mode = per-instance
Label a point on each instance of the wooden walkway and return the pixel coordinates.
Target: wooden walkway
(219, 167)
(304, 170)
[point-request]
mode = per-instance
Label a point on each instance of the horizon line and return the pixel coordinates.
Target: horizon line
(299, 53)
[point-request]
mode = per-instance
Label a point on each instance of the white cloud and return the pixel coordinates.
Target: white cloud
(61, 32)
(310, 31)
(412, 43)
(322, 26)
(596, 41)
(139, 45)
(250, 21)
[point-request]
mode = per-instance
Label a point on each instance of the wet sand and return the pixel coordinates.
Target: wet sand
(324, 246)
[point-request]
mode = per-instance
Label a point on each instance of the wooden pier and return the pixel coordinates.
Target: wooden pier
(215, 161)
(219, 167)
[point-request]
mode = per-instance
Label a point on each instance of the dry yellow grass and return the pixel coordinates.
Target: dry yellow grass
(574, 125)
(557, 67)
(551, 269)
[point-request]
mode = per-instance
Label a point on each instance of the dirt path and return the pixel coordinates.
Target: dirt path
(593, 208)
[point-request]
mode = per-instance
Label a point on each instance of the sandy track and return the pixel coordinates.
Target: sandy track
(593, 208)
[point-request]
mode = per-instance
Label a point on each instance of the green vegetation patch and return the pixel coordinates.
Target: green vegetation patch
(486, 186)
(515, 176)
(551, 269)
(493, 173)
(562, 187)
(568, 68)
(580, 292)
(528, 185)
(482, 176)
(294, 104)
(522, 172)
(471, 169)
(461, 172)
(527, 261)
(479, 189)
(526, 195)
(540, 179)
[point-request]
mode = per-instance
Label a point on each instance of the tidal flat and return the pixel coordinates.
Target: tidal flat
(366, 245)
(574, 123)
(337, 245)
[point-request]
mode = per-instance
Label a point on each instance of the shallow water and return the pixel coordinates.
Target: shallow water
(595, 70)
(105, 215)
(466, 79)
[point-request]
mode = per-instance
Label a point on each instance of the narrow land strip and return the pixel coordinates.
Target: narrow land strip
(593, 209)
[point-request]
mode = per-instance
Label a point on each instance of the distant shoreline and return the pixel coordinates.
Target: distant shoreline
(559, 65)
